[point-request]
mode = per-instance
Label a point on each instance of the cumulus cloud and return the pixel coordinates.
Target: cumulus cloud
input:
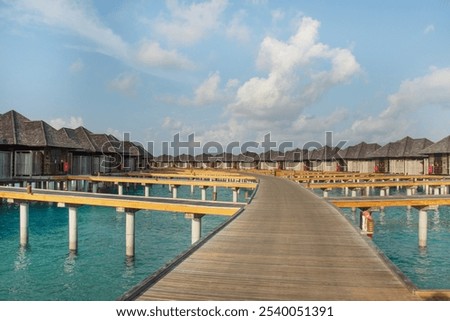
(208, 92)
(190, 23)
(125, 83)
(298, 73)
(318, 125)
(427, 92)
(237, 29)
(71, 122)
(151, 54)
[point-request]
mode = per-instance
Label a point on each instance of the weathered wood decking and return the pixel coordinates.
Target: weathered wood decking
(288, 244)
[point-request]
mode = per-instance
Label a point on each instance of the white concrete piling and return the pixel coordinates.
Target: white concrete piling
(129, 233)
(24, 210)
(73, 229)
(423, 223)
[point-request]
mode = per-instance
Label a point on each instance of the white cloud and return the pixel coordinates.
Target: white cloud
(125, 83)
(72, 16)
(208, 92)
(298, 73)
(76, 66)
(277, 15)
(237, 29)
(319, 125)
(428, 29)
(427, 92)
(115, 132)
(175, 126)
(151, 54)
(170, 123)
(77, 17)
(71, 122)
(190, 23)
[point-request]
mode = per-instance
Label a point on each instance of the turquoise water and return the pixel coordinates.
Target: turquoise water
(45, 270)
(396, 234)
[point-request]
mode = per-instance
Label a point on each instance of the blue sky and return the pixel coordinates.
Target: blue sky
(230, 70)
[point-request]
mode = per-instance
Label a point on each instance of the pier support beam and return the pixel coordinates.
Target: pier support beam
(73, 229)
(214, 193)
(120, 189)
(24, 210)
(196, 227)
(423, 226)
(203, 192)
(235, 194)
(174, 190)
(147, 188)
(129, 232)
(94, 187)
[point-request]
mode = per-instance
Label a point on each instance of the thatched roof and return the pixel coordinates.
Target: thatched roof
(271, 156)
(440, 147)
(106, 143)
(82, 137)
(224, 157)
(142, 152)
(359, 152)
(248, 157)
(15, 129)
(205, 157)
(296, 155)
(405, 148)
(164, 158)
(183, 158)
(325, 153)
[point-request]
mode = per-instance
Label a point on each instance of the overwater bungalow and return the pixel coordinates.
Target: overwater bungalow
(438, 157)
(325, 159)
(404, 156)
(271, 160)
(84, 157)
(224, 161)
(31, 148)
(248, 160)
(295, 159)
(163, 161)
(204, 160)
(183, 161)
(356, 158)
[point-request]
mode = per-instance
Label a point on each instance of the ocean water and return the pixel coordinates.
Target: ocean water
(45, 270)
(396, 235)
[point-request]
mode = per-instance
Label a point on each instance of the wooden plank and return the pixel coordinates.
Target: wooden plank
(125, 202)
(150, 181)
(288, 244)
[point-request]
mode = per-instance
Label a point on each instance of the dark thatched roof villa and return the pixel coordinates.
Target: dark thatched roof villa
(34, 148)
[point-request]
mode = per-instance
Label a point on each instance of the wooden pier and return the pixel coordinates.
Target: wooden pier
(194, 209)
(287, 244)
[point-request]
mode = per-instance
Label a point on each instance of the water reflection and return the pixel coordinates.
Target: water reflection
(70, 263)
(130, 269)
(22, 261)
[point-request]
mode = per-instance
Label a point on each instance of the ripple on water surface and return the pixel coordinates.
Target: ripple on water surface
(45, 270)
